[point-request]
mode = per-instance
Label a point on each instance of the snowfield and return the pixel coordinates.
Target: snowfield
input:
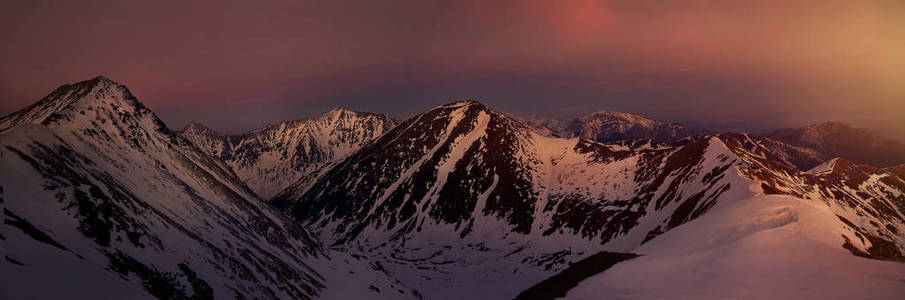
(765, 247)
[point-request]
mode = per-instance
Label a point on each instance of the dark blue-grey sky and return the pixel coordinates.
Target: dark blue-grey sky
(237, 65)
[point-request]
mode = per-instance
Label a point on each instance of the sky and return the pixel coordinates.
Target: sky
(238, 65)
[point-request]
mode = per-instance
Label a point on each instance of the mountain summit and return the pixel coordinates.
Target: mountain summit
(99, 97)
(270, 159)
(98, 193)
(455, 194)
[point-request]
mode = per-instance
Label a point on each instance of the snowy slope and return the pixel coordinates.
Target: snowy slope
(271, 158)
(100, 199)
(793, 156)
(765, 247)
(800, 235)
(460, 195)
(458, 202)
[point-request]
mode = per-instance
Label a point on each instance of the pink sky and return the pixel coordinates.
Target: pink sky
(724, 64)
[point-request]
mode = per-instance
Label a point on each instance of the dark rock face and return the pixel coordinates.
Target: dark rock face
(837, 139)
(558, 285)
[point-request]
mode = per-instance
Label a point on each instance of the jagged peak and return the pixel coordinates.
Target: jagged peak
(344, 111)
(333, 114)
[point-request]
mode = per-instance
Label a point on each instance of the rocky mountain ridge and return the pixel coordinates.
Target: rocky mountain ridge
(98, 193)
(272, 158)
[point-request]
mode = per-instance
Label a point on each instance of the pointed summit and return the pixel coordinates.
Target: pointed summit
(74, 101)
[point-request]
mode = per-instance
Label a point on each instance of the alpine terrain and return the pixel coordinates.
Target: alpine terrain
(840, 139)
(271, 158)
(609, 127)
(100, 199)
(458, 202)
(463, 196)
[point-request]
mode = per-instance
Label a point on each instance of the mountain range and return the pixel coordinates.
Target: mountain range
(460, 201)
(271, 158)
(610, 126)
(838, 139)
(101, 199)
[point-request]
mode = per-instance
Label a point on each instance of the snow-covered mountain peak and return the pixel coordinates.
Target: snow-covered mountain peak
(97, 193)
(276, 156)
(83, 100)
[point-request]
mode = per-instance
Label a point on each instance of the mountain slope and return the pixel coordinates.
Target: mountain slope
(100, 199)
(837, 139)
(461, 195)
(272, 158)
(775, 247)
(793, 156)
(452, 196)
(810, 231)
